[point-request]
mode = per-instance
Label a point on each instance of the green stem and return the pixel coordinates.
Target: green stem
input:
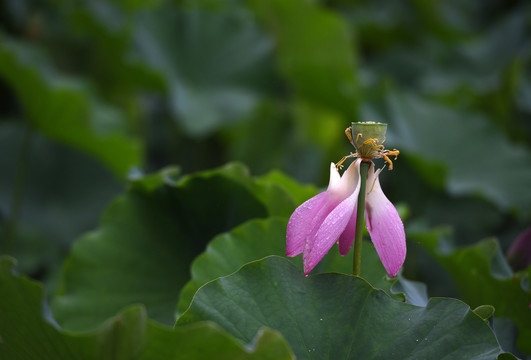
(360, 219)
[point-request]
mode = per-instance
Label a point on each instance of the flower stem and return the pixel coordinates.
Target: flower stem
(360, 219)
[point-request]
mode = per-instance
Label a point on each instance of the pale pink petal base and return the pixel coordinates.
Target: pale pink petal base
(385, 226)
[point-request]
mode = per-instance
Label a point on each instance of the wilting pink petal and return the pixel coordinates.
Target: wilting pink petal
(301, 223)
(306, 219)
(304, 227)
(348, 181)
(346, 239)
(341, 204)
(385, 226)
(335, 223)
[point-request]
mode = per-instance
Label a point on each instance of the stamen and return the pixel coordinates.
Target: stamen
(387, 160)
(372, 187)
(348, 132)
(370, 141)
(393, 152)
(372, 148)
(339, 164)
(376, 174)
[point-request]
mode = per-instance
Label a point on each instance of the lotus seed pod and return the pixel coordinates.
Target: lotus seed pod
(367, 136)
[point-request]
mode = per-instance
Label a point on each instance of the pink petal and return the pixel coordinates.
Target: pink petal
(385, 226)
(302, 221)
(349, 180)
(335, 178)
(328, 233)
(347, 237)
(306, 219)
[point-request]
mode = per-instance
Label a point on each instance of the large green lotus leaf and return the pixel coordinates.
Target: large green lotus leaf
(27, 334)
(267, 188)
(213, 61)
(227, 252)
(315, 53)
(482, 276)
(453, 138)
(24, 332)
(206, 340)
(259, 238)
(334, 316)
(216, 61)
(53, 210)
(107, 27)
(165, 219)
(299, 193)
(146, 241)
(66, 110)
(278, 194)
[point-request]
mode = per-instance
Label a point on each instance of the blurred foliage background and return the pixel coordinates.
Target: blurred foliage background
(95, 92)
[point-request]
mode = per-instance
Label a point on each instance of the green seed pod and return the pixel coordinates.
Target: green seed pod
(367, 138)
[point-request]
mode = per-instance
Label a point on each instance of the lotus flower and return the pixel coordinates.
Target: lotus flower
(330, 217)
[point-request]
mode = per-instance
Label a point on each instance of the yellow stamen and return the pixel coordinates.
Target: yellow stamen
(348, 132)
(372, 187)
(370, 141)
(339, 164)
(387, 160)
(393, 152)
(368, 150)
